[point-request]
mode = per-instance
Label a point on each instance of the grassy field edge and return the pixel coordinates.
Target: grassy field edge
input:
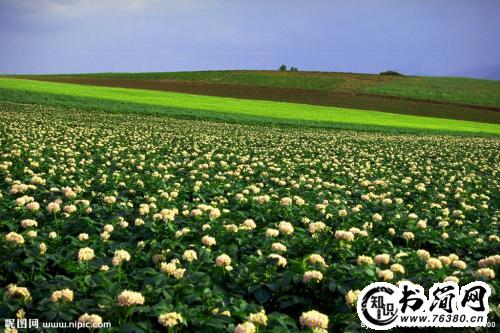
(279, 110)
(451, 89)
(117, 107)
(256, 108)
(359, 101)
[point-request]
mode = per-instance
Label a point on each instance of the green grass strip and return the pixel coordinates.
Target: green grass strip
(264, 109)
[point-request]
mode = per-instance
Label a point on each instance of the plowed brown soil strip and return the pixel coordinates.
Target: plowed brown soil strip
(356, 101)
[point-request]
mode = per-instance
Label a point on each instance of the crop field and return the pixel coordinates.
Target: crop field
(451, 89)
(153, 223)
(426, 108)
(452, 98)
(171, 103)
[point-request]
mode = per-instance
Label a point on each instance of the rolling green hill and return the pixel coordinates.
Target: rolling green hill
(16, 90)
(445, 89)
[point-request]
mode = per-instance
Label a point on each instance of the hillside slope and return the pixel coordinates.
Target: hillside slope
(453, 98)
(278, 112)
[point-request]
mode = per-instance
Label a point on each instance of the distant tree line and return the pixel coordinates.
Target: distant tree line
(283, 68)
(391, 73)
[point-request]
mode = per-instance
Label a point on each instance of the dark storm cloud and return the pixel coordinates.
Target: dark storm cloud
(439, 37)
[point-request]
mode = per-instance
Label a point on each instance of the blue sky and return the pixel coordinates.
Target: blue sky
(425, 37)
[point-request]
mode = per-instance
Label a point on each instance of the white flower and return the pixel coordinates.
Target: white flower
(208, 241)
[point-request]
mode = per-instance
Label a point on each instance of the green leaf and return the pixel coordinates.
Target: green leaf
(262, 294)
